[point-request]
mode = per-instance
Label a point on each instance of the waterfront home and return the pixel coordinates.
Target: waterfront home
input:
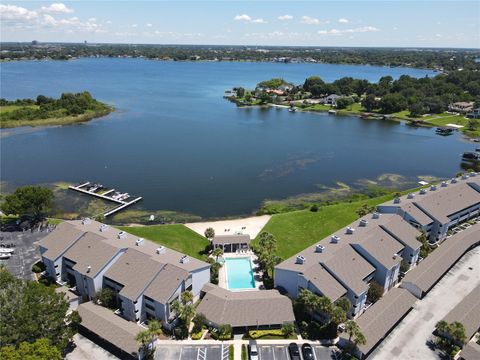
(331, 99)
(344, 263)
(441, 207)
(461, 107)
(145, 277)
(245, 309)
(475, 114)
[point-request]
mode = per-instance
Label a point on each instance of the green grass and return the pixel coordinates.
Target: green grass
(177, 237)
(297, 230)
(8, 108)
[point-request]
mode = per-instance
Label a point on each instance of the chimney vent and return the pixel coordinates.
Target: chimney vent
(301, 259)
(139, 241)
(319, 248)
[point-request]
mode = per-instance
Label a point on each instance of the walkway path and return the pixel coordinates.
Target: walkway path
(409, 339)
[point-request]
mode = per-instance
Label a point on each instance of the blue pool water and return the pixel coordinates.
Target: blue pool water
(239, 273)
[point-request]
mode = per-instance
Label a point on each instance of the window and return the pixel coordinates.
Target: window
(150, 307)
(56, 266)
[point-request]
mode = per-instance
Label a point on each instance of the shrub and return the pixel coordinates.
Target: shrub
(244, 352)
(38, 267)
(231, 352)
(288, 330)
(197, 335)
(375, 292)
(258, 334)
(314, 208)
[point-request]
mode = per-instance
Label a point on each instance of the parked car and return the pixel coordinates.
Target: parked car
(253, 354)
(307, 352)
(294, 351)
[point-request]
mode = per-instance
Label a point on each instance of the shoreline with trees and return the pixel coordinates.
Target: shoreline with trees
(44, 111)
(428, 101)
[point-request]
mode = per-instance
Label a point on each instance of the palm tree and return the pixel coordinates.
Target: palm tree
(209, 233)
(323, 305)
(359, 339)
(351, 328)
(217, 252)
(176, 307)
(457, 332)
(338, 315)
(442, 327)
(188, 312)
(187, 297)
(155, 328)
(308, 299)
(143, 338)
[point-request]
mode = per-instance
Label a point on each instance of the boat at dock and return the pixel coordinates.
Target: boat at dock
(471, 155)
(444, 130)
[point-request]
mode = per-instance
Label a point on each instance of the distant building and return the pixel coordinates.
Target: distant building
(461, 107)
(475, 114)
(331, 99)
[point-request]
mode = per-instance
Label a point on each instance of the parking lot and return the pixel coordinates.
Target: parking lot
(25, 252)
(280, 352)
(192, 352)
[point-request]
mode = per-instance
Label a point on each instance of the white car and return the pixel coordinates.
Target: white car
(253, 352)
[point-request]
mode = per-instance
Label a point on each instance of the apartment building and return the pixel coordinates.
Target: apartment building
(146, 277)
(347, 261)
(441, 207)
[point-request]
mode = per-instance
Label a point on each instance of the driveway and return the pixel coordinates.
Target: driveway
(88, 350)
(192, 352)
(409, 340)
(26, 253)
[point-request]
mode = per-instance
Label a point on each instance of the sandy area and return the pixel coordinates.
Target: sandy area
(251, 226)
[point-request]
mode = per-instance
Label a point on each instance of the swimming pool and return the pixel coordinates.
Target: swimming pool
(239, 273)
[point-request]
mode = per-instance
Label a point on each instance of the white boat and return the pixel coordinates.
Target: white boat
(6, 251)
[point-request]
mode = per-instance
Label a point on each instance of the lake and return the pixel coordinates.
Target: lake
(175, 141)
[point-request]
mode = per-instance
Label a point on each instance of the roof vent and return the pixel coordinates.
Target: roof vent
(122, 235)
(363, 222)
(444, 184)
(423, 191)
(350, 230)
(139, 241)
(335, 239)
(86, 221)
(184, 259)
(465, 176)
(433, 187)
(454, 180)
(410, 195)
(473, 173)
(319, 248)
(161, 250)
(301, 259)
(375, 215)
(104, 227)
(89, 268)
(396, 200)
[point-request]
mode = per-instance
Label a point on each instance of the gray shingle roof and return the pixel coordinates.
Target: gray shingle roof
(135, 271)
(90, 251)
(422, 218)
(246, 308)
(471, 351)
(431, 269)
(467, 312)
(231, 239)
(59, 240)
(382, 316)
(403, 232)
(109, 326)
(324, 282)
(165, 283)
(382, 247)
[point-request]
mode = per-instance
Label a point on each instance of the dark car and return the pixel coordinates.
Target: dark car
(307, 352)
(294, 351)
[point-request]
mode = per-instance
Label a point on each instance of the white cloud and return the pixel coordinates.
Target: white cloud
(309, 20)
(133, 26)
(348, 31)
(57, 8)
(108, 22)
(343, 21)
(248, 19)
(285, 17)
(148, 25)
(14, 13)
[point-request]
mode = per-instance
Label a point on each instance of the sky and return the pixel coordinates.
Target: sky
(250, 22)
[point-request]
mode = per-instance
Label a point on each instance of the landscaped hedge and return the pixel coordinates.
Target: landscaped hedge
(198, 335)
(258, 334)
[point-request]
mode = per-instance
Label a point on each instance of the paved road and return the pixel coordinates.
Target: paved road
(409, 340)
(192, 352)
(26, 253)
(88, 350)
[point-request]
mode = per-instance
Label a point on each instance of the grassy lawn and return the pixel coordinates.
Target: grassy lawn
(177, 237)
(8, 108)
(297, 230)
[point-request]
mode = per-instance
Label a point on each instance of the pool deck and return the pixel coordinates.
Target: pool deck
(222, 274)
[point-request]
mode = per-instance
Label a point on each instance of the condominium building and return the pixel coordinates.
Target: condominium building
(146, 277)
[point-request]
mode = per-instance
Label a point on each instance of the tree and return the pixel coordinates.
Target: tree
(338, 315)
(146, 337)
(225, 331)
(344, 102)
(107, 298)
(240, 92)
(198, 321)
(35, 201)
(375, 292)
(369, 103)
(365, 209)
(416, 109)
(187, 297)
(209, 233)
(41, 349)
(355, 333)
(344, 303)
(391, 103)
(31, 311)
(217, 252)
(288, 330)
(442, 326)
(450, 336)
(143, 338)
(308, 300)
(323, 305)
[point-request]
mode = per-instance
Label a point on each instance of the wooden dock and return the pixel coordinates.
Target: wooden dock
(122, 203)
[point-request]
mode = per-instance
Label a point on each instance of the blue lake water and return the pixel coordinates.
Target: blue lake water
(175, 141)
(239, 273)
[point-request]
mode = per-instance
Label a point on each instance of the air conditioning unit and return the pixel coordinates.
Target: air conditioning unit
(140, 241)
(396, 200)
(122, 235)
(465, 176)
(375, 215)
(350, 230)
(319, 248)
(444, 184)
(161, 250)
(301, 259)
(473, 173)
(453, 180)
(410, 195)
(86, 221)
(335, 239)
(104, 227)
(363, 222)
(433, 187)
(184, 259)
(423, 191)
